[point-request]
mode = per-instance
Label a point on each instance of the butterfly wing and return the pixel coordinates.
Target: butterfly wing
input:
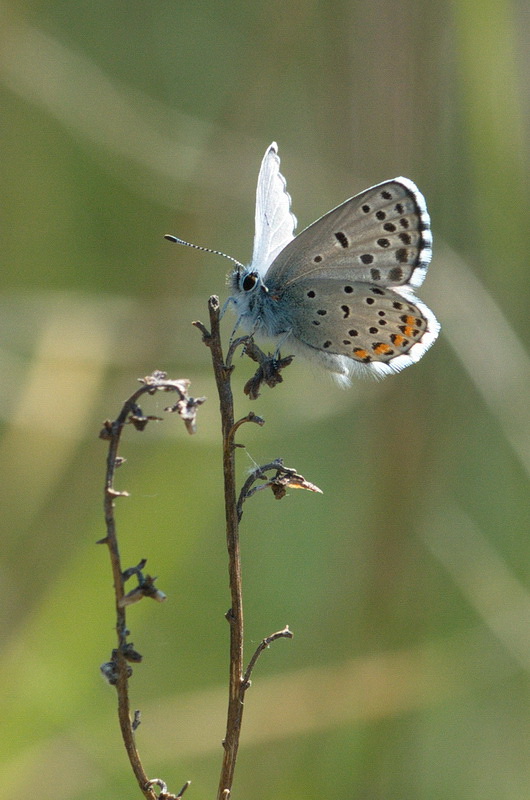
(359, 327)
(381, 236)
(275, 223)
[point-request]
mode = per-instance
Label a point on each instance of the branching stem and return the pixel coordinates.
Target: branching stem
(118, 670)
(269, 373)
(235, 614)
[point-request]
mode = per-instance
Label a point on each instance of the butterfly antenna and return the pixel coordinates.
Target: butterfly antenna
(176, 239)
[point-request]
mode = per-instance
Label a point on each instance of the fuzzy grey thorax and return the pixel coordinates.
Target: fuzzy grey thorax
(257, 309)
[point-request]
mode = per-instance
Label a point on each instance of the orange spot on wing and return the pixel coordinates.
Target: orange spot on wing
(408, 328)
(362, 355)
(382, 348)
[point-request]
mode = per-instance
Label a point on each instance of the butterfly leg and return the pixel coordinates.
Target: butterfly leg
(283, 339)
(225, 306)
(234, 331)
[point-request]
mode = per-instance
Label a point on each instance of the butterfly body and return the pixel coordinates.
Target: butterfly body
(341, 292)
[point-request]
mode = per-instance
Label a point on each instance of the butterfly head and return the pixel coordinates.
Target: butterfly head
(246, 281)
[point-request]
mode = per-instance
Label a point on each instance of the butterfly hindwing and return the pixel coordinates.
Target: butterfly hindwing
(362, 322)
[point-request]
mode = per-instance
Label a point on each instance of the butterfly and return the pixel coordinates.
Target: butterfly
(341, 292)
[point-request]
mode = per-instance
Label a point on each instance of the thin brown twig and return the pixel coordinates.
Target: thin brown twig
(241, 341)
(268, 373)
(284, 479)
(285, 633)
(251, 417)
(234, 616)
(118, 670)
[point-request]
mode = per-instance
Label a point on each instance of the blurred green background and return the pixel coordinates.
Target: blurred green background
(407, 582)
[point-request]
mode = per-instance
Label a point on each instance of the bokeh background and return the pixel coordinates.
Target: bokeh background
(407, 581)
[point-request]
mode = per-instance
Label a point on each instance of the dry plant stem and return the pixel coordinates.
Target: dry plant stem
(235, 614)
(112, 432)
(239, 679)
(124, 713)
(285, 633)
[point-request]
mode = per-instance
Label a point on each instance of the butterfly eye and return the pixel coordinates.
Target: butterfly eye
(249, 281)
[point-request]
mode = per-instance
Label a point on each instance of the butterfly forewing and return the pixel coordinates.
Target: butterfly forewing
(275, 223)
(381, 236)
